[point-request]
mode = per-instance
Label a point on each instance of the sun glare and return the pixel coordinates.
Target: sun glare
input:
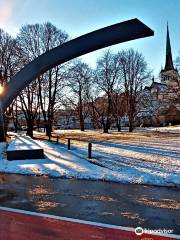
(1, 89)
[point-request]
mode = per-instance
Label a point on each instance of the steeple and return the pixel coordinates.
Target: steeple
(169, 61)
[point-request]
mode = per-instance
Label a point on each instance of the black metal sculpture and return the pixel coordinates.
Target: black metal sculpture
(117, 33)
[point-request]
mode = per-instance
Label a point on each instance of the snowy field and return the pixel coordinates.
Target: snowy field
(169, 129)
(149, 160)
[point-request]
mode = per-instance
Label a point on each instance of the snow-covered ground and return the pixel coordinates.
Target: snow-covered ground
(147, 162)
(153, 161)
(58, 162)
(170, 129)
(23, 143)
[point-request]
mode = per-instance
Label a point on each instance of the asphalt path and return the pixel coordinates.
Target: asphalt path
(127, 205)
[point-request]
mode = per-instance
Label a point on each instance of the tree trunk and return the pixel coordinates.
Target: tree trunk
(2, 133)
(106, 126)
(81, 123)
(16, 120)
(30, 125)
(130, 124)
(49, 129)
(2, 129)
(118, 123)
(49, 124)
(119, 127)
(105, 129)
(81, 117)
(130, 128)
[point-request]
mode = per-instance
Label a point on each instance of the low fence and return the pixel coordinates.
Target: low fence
(68, 141)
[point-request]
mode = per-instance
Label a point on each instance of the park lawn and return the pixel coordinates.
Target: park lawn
(144, 157)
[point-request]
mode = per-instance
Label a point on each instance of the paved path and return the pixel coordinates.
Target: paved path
(23, 225)
(110, 203)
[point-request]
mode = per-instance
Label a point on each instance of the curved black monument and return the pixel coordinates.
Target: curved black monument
(117, 33)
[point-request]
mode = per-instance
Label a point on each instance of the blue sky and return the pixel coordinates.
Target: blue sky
(81, 16)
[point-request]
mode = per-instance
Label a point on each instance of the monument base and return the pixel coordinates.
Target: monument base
(24, 147)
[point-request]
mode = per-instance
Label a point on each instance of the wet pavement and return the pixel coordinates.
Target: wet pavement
(113, 203)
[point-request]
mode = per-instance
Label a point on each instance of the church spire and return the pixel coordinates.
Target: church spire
(169, 61)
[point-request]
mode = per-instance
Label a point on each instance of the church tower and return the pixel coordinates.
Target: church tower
(169, 75)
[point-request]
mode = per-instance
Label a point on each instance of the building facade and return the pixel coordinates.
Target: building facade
(161, 101)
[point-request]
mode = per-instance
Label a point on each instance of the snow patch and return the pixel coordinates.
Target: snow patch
(152, 162)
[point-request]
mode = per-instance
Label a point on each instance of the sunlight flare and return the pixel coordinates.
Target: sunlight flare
(1, 89)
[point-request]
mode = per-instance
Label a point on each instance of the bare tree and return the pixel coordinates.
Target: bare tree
(35, 40)
(9, 54)
(29, 101)
(8, 67)
(119, 107)
(79, 83)
(134, 75)
(107, 80)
